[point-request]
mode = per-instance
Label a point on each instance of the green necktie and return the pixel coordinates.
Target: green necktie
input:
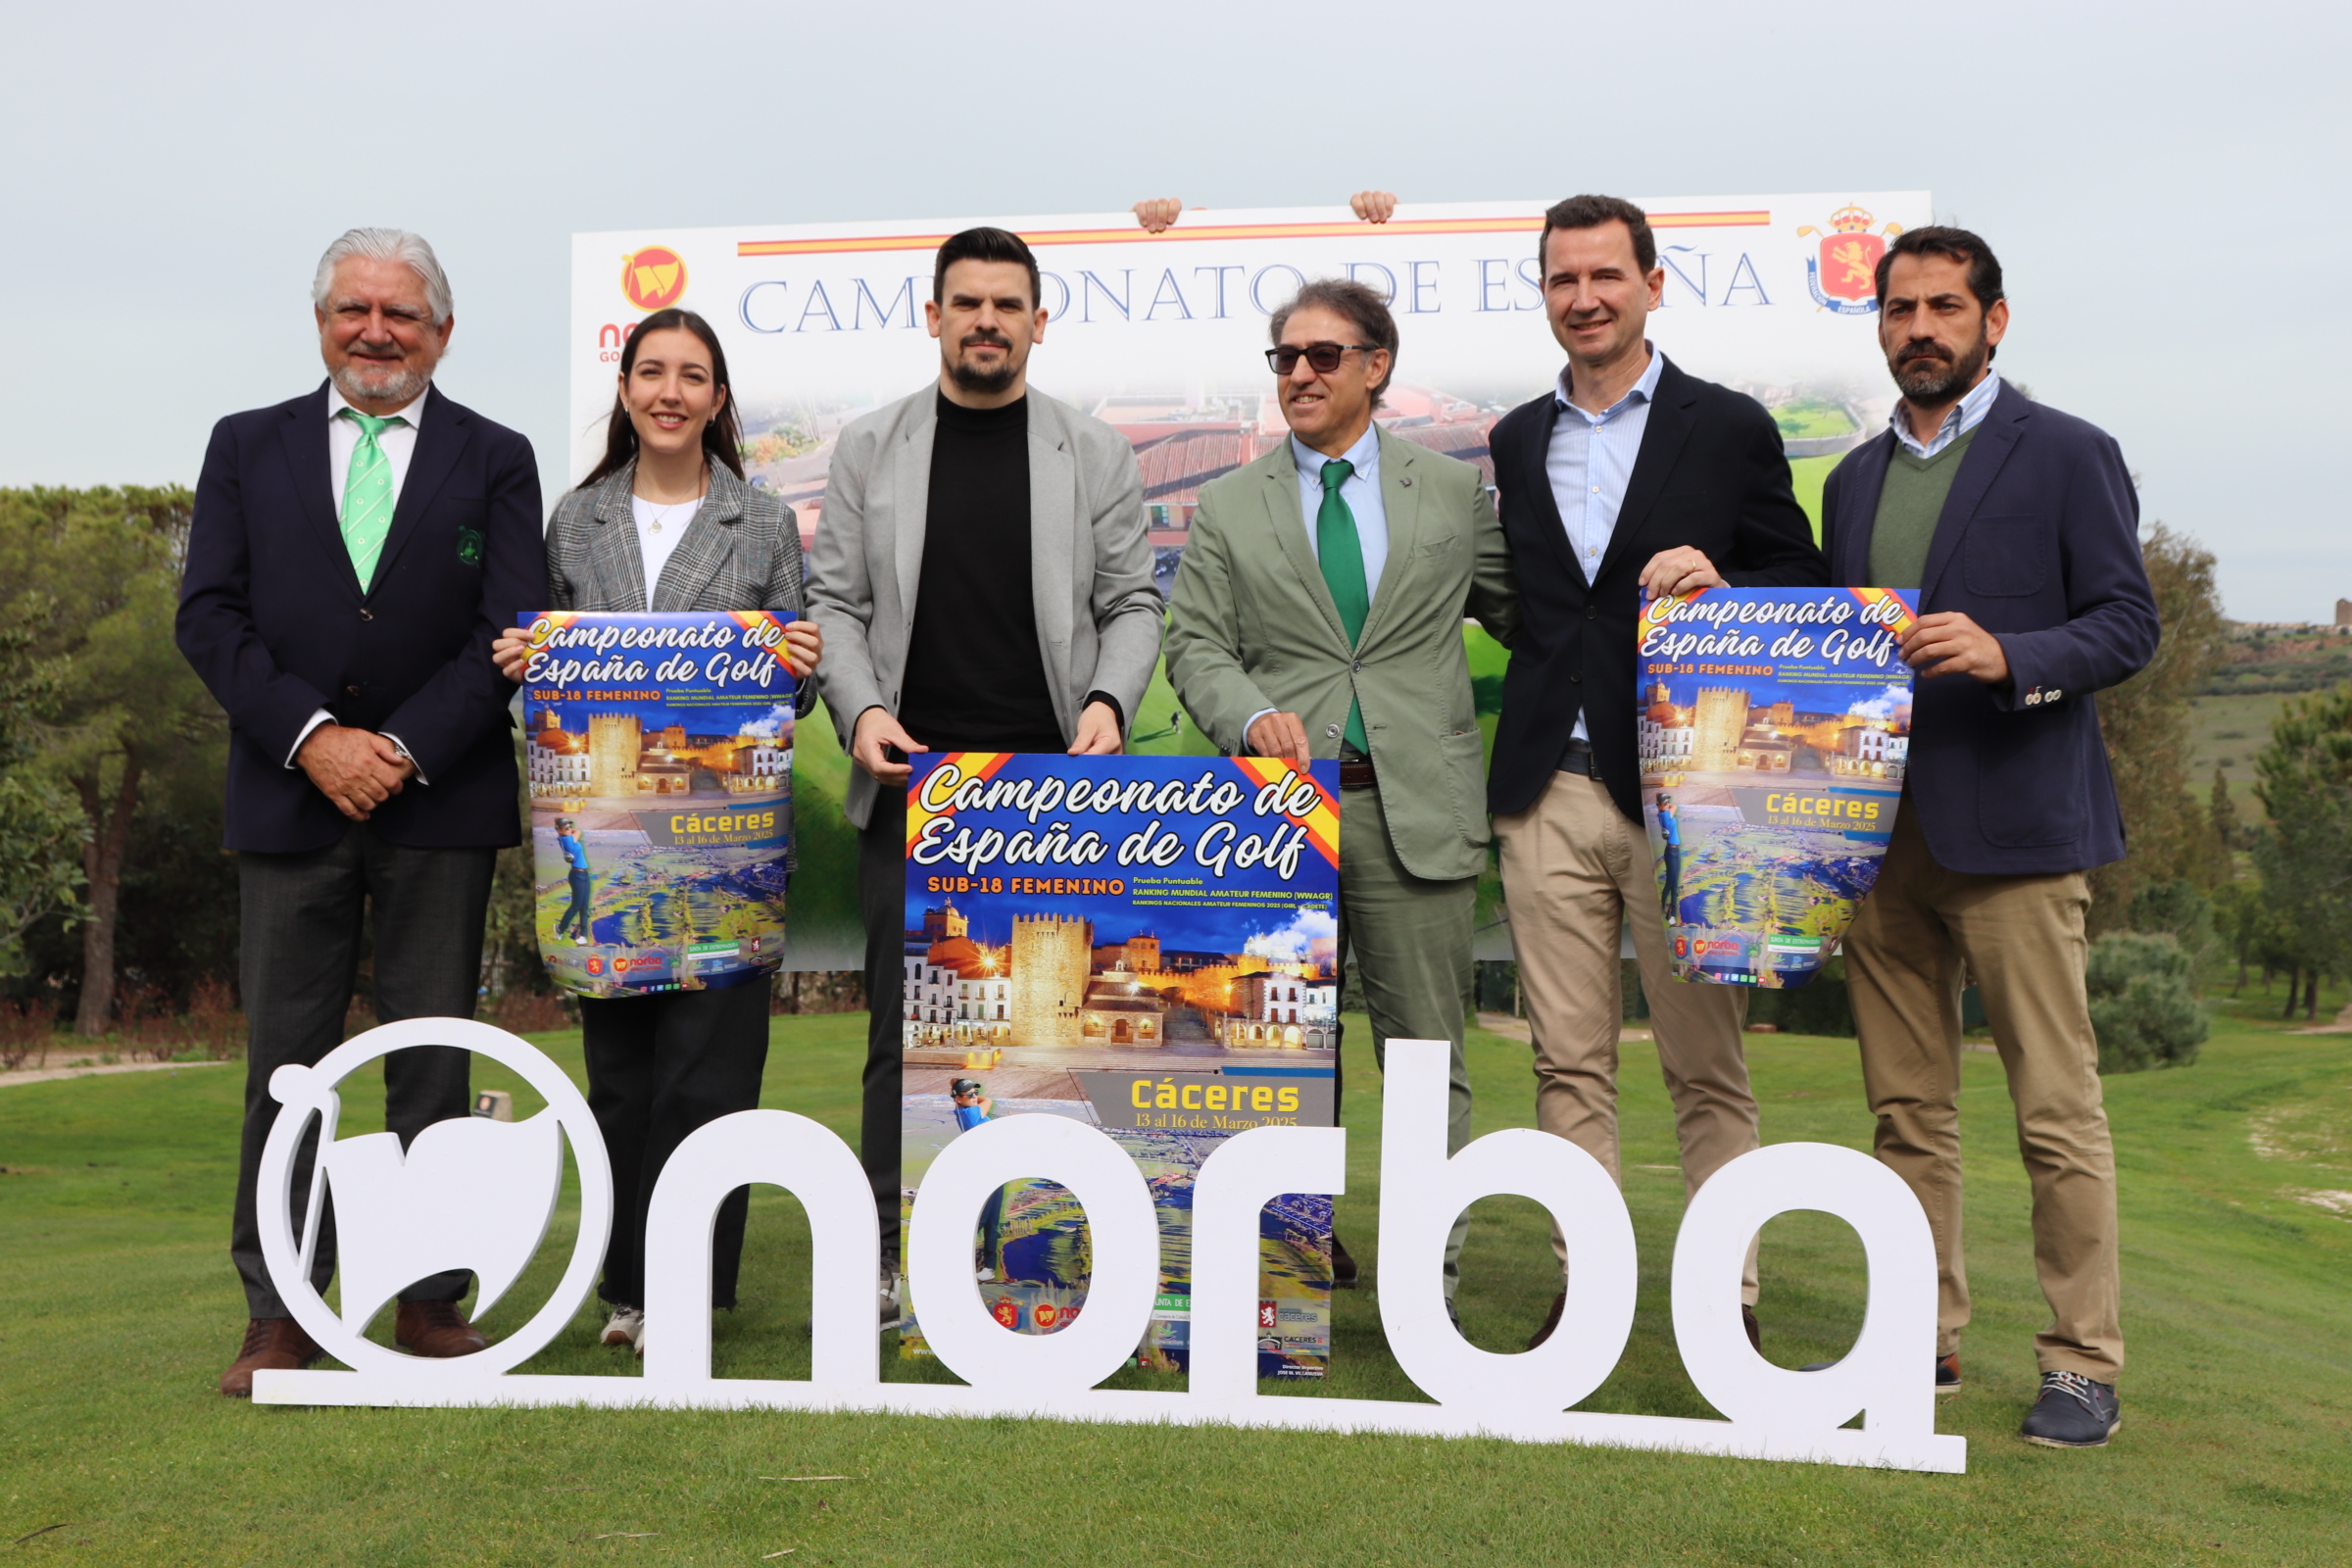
(367, 496)
(1343, 559)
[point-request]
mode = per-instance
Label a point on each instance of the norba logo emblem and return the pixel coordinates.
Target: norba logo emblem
(478, 1195)
(654, 278)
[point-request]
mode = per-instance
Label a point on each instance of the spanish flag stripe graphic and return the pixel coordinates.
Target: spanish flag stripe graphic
(1654, 613)
(1900, 619)
(1322, 824)
(1235, 232)
(975, 765)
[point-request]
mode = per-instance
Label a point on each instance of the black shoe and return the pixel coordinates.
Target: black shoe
(2073, 1412)
(1947, 1374)
(1343, 1267)
(1551, 1320)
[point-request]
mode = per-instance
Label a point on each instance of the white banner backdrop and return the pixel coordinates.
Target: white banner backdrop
(1160, 334)
(1163, 336)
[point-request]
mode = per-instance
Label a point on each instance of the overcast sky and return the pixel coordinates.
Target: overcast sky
(2165, 186)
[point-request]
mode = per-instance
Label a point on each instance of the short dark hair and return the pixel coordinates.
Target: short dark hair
(1590, 212)
(1953, 245)
(983, 245)
(1363, 307)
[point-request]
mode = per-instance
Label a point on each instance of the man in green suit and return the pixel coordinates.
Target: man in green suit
(1318, 613)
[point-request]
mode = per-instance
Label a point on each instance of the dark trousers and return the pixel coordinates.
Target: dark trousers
(658, 1068)
(300, 920)
(882, 906)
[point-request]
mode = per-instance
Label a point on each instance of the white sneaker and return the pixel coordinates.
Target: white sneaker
(890, 1315)
(627, 1326)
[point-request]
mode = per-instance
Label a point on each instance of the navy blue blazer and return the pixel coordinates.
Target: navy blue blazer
(2038, 543)
(1711, 474)
(276, 624)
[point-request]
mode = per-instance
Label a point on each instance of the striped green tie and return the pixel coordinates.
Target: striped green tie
(367, 496)
(1341, 554)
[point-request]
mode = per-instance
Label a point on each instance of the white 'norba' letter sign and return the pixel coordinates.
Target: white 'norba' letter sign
(477, 1195)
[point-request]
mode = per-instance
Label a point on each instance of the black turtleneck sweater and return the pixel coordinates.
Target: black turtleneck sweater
(975, 678)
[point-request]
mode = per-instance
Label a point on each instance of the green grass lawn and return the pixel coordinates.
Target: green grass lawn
(117, 1310)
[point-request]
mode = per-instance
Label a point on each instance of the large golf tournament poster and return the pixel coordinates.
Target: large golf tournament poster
(1161, 338)
(1774, 731)
(658, 753)
(1147, 946)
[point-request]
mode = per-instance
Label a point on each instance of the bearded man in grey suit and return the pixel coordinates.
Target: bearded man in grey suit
(983, 578)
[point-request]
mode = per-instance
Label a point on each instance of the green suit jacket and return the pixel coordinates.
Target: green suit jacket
(1252, 627)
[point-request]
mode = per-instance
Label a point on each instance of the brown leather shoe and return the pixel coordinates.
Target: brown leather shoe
(270, 1341)
(435, 1329)
(1755, 1333)
(1343, 1274)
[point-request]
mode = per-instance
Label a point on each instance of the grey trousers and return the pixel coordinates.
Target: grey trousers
(300, 916)
(1410, 941)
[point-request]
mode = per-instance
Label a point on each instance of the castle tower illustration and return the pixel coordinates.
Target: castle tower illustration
(1718, 718)
(1051, 962)
(614, 742)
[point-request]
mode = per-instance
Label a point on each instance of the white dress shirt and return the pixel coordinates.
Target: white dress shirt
(659, 530)
(1589, 461)
(1960, 418)
(1361, 491)
(398, 443)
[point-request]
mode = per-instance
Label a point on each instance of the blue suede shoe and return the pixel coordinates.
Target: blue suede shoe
(2073, 1412)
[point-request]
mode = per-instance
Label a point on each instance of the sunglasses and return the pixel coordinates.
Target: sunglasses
(1324, 356)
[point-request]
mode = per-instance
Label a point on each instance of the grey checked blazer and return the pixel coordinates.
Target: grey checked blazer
(1099, 616)
(742, 551)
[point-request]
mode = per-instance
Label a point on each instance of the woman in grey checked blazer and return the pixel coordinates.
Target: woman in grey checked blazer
(667, 521)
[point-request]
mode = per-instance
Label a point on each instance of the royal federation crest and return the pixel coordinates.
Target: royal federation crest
(1842, 272)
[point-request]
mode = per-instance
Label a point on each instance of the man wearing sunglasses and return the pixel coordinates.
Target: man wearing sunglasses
(1318, 613)
(1628, 477)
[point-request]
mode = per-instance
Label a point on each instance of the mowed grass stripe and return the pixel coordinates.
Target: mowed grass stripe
(117, 1310)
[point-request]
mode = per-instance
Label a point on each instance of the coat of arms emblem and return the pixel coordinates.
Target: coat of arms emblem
(1842, 272)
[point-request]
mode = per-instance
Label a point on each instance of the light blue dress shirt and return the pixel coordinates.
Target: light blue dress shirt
(1589, 461)
(1960, 418)
(1361, 491)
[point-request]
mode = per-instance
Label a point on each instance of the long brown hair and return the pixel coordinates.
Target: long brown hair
(722, 436)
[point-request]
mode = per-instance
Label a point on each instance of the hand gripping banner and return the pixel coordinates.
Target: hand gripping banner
(1772, 728)
(658, 750)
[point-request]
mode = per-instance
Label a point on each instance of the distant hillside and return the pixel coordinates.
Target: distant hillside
(2261, 658)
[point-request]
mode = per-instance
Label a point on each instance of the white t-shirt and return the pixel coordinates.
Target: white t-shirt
(659, 530)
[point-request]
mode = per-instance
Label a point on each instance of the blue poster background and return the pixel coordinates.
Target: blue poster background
(1145, 945)
(1774, 731)
(658, 753)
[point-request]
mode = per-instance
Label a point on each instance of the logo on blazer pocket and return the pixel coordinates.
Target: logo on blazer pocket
(469, 546)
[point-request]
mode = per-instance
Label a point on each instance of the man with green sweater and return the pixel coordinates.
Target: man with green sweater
(2019, 528)
(1318, 613)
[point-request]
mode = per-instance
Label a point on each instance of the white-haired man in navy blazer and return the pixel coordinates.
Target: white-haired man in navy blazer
(355, 551)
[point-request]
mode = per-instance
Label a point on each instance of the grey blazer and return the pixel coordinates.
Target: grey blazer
(742, 551)
(1099, 616)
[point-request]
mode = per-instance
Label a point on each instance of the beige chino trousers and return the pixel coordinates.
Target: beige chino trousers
(1573, 867)
(2021, 938)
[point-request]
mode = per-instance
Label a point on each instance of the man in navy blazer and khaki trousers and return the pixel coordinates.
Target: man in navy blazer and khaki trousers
(2018, 527)
(354, 552)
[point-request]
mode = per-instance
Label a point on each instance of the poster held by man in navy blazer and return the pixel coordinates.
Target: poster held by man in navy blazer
(1773, 731)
